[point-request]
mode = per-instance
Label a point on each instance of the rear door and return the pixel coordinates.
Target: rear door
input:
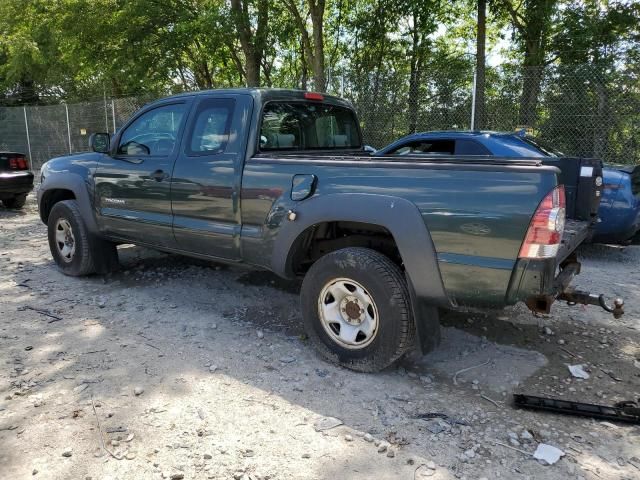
(206, 181)
(133, 183)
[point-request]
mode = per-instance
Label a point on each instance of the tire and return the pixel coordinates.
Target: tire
(75, 255)
(369, 286)
(16, 202)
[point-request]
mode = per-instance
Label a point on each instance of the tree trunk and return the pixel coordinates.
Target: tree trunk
(602, 127)
(532, 69)
(481, 38)
(317, 18)
(304, 79)
(412, 104)
(253, 44)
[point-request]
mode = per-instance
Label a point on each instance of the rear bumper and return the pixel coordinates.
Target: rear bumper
(533, 279)
(15, 183)
(539, 286)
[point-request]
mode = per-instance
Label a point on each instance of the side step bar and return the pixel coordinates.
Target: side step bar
(621, 412)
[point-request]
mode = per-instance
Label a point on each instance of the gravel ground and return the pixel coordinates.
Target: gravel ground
(175, 368)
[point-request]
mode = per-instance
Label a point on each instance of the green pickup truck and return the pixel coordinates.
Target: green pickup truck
(280, 180)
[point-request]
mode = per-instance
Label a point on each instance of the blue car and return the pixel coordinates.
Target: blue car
(619, 212)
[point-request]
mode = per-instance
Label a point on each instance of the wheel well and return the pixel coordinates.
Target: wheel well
(326, 237)
(50, 198)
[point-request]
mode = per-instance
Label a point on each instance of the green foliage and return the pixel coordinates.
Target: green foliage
(569, 67)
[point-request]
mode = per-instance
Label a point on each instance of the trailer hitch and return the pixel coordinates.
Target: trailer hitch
(573, 297)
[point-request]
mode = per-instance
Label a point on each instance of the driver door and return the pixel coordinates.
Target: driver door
(133, 182)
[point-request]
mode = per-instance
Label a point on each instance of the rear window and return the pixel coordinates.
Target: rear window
(528, 146)
(298, 126)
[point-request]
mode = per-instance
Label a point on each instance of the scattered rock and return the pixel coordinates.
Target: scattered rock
(526, 435)
(326, 423)
(177, 476)
(383, 447)
(67, 453)
(260, 334)
(213, 368)
(391, 453)
(348, 438)
(207, 456)
(423, 471)
(368, 437)
(437, 425)
(138, 391)
(287, 359)
(547, 331)
(28, 347)
(306, 455)
(80, 388)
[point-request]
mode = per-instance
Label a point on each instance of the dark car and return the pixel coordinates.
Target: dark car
(280, 180)
(619, 212)
(16, 179)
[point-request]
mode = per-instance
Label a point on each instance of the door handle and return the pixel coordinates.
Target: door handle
(159, 175)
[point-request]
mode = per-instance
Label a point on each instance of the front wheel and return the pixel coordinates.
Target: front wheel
(357, 310)
(75, 252)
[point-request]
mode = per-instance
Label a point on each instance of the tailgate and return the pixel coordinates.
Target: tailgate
(582, 180)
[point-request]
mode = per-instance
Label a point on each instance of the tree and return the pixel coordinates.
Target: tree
(423, 16)
(253, 42)
(531, 20)
(312, 44)
(481, 39)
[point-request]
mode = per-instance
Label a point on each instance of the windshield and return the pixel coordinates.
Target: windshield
(296, 126)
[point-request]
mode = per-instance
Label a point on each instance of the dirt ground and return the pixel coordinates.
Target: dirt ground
(174, 368)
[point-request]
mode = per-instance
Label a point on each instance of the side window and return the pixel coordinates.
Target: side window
(431, 147)
(153, 133)
(470, 147)
(210, 130)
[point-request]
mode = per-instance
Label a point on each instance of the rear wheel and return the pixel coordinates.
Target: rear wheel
(356, 309)
(15, 202)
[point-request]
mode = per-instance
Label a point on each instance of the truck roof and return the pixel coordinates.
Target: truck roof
(263, 95)
(462, 133)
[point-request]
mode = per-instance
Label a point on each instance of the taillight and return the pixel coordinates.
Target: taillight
(547, 225)
(18, 163)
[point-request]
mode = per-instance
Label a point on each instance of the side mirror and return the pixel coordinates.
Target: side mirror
(100, 142)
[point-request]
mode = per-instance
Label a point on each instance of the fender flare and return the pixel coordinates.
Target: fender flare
(405, 223)
(78, 185)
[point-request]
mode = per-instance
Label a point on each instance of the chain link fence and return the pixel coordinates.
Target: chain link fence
(579, 111)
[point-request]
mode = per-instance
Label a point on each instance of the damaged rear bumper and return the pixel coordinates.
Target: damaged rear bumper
(535, 282)
(563, 291)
